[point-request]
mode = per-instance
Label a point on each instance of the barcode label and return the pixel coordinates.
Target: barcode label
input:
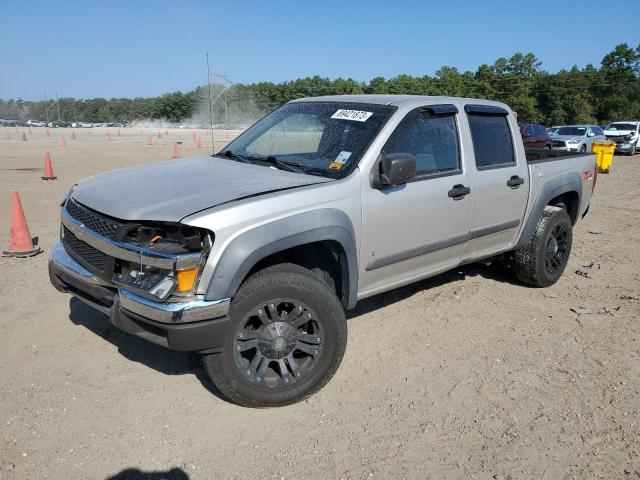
(355, 115)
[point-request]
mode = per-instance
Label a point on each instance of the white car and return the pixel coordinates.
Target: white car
(575, 138)
(626, 135)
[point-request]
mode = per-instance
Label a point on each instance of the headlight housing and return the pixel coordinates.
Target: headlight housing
(188, 245)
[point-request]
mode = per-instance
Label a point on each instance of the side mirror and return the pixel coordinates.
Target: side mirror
(394, 169)
(591, 134)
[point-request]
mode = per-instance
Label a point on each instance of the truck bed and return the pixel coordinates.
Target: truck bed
(535, 155)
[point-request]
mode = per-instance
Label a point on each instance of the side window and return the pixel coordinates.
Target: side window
(492, 144)
(598, 131)
(431, 138)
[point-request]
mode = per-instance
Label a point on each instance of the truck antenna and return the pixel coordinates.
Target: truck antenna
(213, 150)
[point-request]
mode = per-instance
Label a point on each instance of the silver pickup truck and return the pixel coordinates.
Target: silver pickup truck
(251, 257)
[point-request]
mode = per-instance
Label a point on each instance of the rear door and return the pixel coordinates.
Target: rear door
(500, 182)
(421, 227)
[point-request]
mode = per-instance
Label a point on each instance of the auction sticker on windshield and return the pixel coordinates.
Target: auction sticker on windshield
(355, 115)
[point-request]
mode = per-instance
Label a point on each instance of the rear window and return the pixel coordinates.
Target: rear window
(492, 143)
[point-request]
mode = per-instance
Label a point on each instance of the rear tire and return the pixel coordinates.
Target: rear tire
(541, 262)
(287, 338)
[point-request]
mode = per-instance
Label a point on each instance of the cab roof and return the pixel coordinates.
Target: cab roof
(397, 100)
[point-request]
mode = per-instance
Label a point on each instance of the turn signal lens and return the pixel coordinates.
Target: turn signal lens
(186, 279)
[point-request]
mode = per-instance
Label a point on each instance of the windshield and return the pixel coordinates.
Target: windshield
(621, 126)
(573, 131)
(321, 138)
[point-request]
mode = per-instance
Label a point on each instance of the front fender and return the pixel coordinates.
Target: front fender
(254, 245)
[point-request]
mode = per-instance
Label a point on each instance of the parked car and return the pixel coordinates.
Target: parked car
(252, 257)
(576, 138)
(534, 136)
(626, 135)
(36, 123)
(59, 124)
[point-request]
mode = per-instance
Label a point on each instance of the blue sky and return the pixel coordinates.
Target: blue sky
(114, 48)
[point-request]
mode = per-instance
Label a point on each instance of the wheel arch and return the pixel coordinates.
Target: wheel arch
(564, 191)
(323, 230)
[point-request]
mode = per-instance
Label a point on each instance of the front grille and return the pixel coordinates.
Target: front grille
(91, 219)
(83, 251)
(558, 143)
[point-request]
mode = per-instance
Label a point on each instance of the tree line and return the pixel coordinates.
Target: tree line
(591, 94)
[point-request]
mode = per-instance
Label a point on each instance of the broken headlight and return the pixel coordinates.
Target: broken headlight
(188, 245)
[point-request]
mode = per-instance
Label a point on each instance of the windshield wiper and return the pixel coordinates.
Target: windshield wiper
(269, 160)
(237, 158)
(289, 167)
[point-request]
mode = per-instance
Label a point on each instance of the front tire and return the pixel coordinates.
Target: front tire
(287, 338)
(541, 262)
(583, 148)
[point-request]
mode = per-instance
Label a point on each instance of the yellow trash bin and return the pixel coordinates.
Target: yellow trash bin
(604, 155)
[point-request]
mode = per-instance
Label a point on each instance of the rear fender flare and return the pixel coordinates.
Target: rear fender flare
(567, 183)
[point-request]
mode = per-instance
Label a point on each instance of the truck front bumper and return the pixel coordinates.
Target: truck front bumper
(195, 325)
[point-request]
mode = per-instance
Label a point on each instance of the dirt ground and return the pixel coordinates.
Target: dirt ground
(467, 375)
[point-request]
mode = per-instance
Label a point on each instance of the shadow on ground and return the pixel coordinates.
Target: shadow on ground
(135, 474)
(496, 271)
(170, 362)
(137, 350)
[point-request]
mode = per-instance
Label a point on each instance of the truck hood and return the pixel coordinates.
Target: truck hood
(169, 191)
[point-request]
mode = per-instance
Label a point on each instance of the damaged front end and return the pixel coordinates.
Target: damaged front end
(143, 275)
(156, 260)
(158, 280)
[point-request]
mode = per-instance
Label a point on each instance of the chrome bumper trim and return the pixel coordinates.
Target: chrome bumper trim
(174, 312)
(168, 312)
(126, 251)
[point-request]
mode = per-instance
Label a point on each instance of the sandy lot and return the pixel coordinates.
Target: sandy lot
(468, 375)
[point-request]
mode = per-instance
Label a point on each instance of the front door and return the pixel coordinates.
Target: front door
(422, 227)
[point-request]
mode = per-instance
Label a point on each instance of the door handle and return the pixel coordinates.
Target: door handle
(458, 192)
(515, 181)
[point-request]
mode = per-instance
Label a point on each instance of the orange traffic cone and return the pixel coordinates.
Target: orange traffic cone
(109, 139)
(176, 152)
(149, 140)
(62, 142)
(20, 241)
(73, 135)
(24, 137)
(198, 142)
(48, 168)
(159, 135)
(46, 132)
